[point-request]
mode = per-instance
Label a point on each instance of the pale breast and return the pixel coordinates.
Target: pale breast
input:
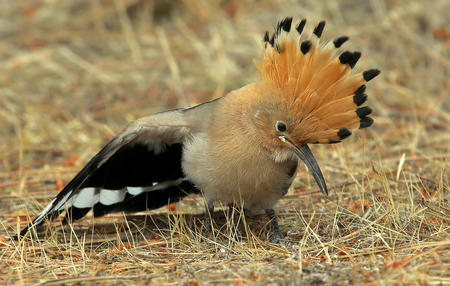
(231, 172)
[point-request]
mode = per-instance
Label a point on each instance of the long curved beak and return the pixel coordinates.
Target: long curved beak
(304, 153)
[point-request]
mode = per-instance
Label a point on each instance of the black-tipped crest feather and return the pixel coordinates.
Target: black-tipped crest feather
(365, 122)
(344, 133)
(340, 41)
(286, 24)
(370, 74)
(266, 36)
(346, 57)
(359, 98)
(354, 60)
(363, 111)
(360, 89)
(305, 46)
(300, 26)
(319, 29)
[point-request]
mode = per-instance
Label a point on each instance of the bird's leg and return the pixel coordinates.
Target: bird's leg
(209, 209)
(277, 234)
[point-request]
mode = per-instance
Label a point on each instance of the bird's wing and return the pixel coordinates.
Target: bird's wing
(140, 168)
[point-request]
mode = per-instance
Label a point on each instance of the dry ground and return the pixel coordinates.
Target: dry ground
(72, 73)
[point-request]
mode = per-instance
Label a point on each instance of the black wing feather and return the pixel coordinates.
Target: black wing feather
(132, 164)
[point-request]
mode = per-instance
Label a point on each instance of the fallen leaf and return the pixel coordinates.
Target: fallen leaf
(381, 196)
(396, 263)
(127, 245)
(441, 33)
(357, 205)
(354, 237)
(59, 184)
(172, 207)
(433, 220)
(300, 190)
(28, 12)
(255, 276)
(343, 251)
(401, 263)
(154, 237)
(15, 213)
(70, 161)
(425, 194)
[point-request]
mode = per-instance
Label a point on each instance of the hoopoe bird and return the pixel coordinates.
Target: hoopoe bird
(243, 147)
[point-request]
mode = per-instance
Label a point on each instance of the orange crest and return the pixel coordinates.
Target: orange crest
(316, 81)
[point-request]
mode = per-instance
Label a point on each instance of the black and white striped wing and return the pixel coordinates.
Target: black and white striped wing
(138, 169)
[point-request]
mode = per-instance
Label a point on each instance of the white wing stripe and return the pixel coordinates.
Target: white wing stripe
(86, 198)
(109, 197)
(135, 190)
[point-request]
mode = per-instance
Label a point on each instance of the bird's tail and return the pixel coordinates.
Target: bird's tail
(317, 81)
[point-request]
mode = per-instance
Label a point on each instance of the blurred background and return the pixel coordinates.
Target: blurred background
(73, 73)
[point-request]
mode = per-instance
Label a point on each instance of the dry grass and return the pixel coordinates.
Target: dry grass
(73, 73)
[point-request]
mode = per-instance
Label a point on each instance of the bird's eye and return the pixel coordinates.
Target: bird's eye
(281, 126)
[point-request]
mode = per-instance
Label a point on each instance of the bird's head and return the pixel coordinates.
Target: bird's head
(280, 130)
(308, 93)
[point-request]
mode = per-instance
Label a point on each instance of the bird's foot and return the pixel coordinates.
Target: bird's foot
(208, 231)
(277, 236)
